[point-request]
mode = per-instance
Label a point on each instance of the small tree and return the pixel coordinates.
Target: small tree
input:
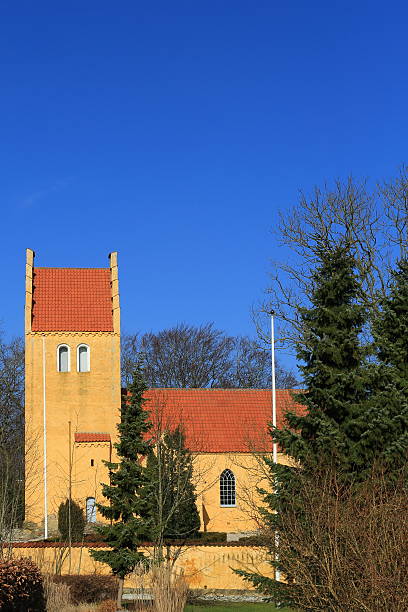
(71, 521)
(128, 508)
(174, 514)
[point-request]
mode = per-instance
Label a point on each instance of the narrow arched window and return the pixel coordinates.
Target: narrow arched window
(227, 488)
(63, 360)
(83, 358)
(90, 510)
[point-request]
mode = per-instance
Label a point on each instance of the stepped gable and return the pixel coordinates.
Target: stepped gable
(72, 299)
(220, 420)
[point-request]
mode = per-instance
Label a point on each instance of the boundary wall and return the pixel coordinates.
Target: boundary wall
(208, 566)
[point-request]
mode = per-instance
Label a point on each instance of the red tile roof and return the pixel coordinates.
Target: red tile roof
(45, 544)
(85, 436)
(72, 299)
(220, 420)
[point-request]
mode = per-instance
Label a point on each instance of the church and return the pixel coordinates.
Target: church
(73, 397)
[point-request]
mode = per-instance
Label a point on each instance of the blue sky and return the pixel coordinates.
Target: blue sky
(173, 132)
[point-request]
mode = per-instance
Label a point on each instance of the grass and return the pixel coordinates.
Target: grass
(234, 607)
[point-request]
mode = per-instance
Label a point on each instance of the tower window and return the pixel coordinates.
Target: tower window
(90, 510)
(227, 488)
(63, 358)
(83, 358)
(92, 462)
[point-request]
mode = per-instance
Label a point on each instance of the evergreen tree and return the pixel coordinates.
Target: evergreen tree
(335, 389)
(71, 512)
(128, 508)
(173, 500)
(334, 370)
(386, 435)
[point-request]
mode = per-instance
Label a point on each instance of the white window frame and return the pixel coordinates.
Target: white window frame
(234, 487)
(89, 357)
(60, 346)
(93, 510)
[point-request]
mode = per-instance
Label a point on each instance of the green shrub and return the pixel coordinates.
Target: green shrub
(21, 587)
(77, 521)
(210, 537)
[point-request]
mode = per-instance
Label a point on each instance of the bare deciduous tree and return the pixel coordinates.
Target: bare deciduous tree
(251, 368)
(374, 219)
(184, 356)
(12, 456)
(188, 356)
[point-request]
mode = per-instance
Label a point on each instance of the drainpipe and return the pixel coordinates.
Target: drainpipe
(45, 443)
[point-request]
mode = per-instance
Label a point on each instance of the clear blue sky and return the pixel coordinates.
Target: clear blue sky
(173, 132)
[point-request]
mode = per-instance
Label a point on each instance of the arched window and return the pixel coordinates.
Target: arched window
(63, 358)
(83, 358)
(90, 510)
(227, 488)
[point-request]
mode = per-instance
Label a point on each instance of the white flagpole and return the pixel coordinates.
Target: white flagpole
(274, 419)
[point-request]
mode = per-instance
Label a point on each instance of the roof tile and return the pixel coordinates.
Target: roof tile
(72, 299)
(85, 436)
(220, 420)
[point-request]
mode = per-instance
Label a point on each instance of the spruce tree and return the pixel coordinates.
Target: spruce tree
(334, 396)
(128, 508)
(173, 499)
(386, 436)
(335, 377)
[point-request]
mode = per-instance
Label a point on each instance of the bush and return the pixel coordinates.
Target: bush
(21, 587)
(89, 589)
(109, 605)
(210, 537)
(77, 521)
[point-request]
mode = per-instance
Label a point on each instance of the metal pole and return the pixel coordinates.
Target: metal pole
(275, 446)
(45, 444)
(274, 421)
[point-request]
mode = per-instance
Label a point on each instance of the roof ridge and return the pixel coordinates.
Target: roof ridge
(92, 432)
(65, 268)
(234, 389)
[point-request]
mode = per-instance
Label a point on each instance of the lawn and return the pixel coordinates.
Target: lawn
(234, 607)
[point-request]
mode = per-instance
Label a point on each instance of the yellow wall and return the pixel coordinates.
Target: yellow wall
(208, 567)
(249, 472)
(82, 401)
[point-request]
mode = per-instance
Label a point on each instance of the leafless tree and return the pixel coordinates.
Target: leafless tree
(12, 455)
(251, 367)
(185, 356)
(11, 383)
(393, 196)
(373, 219)
(188, 356)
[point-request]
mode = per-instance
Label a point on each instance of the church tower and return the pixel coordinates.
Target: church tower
(72, 385)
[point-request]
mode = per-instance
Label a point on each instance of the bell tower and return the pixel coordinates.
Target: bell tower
(72, 385)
